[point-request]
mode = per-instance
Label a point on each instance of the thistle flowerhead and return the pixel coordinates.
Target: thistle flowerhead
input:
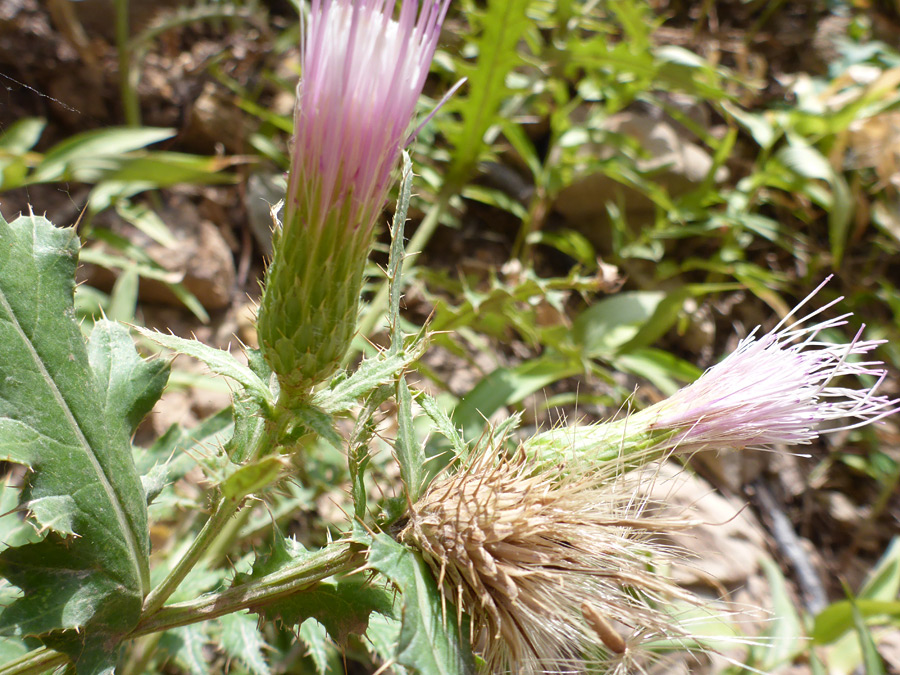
(362, 72)
(782, 388)
(552, 568)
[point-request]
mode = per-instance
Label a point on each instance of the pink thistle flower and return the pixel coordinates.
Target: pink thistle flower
(778, 389)
(362, 75)
(363, 71)
(784, 388)
(553, 550)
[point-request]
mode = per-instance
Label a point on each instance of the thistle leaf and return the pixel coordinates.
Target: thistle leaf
(242, 641)
(187, 645)
(249, 427)
(248, 478)
(319, 648)
(342, 606)
(381, 638)
(384, 368)
(131, 385)
(217, 360)
(85, 581)
(410, 453)
(429, 642)
(13, 530)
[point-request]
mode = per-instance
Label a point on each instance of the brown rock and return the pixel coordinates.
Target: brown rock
(728, 542)
(201, 261)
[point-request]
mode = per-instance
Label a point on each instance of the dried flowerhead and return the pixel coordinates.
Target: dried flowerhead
(553, 567)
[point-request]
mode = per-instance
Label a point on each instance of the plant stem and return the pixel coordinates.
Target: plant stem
(340, 557)
(35, 662)
(221, 514)
(375, 311)
(127, 87)
(224, 509)
(227, 537)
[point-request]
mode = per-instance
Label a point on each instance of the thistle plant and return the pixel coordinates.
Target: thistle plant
(362, 73)
(546, 558)
(551, 550)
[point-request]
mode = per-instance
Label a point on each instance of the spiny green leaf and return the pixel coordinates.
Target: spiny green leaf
(14, 530)
(321, 649)
(342, 606)
(253, 477)
(242, 641)
(216, 360)
(430, 643)
(410, 453)
(178, 448)
(382, 636)
(443, 423)
(249, 427)
(154, 482)
(131, 386)
(187, 645)
(373, 372)
(358, 448)
(83, 477)
(395, 263)
(314, 419)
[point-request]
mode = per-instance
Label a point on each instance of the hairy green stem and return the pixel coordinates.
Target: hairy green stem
(35, 662)
(340, 557)
(228, 536)
(221, 514)
(375, 312)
